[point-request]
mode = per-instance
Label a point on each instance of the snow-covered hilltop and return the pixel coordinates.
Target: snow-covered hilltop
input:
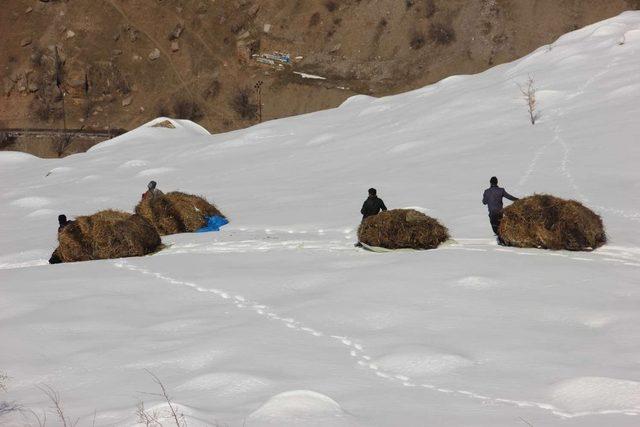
(279, 320)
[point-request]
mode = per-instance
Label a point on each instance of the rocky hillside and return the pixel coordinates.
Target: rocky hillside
(118, 63)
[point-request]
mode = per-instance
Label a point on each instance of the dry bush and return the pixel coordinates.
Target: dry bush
(544, 221)
(212, 90)
(42, 111)
(105, 77)
(429, 8)
(87, 108)
(7, 407)
(409, 3)
(46, 109)
(105, 235)
(241, 103)
(402, 228)
(4, 378)
(122, 85)
(176, 212)
(154, 418)
(6, 140)
(442, 34)
(46, 104)
(56, 406)
(634, 4)
(61, 143)
(163, 110)
(59, 70)
(188, 110)
(37, 56)
(330, 5)
(528, 92)
(417, 41)
(314, 20)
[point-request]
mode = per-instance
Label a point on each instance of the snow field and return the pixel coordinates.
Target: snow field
(279, 320)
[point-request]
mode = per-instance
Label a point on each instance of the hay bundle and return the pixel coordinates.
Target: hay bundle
(176, 212)
(402, 228)
(107, 234)
(544, 221)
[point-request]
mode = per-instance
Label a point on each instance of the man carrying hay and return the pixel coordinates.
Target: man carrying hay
(492, 197)
(152, 191)
(373, 205)
(62, 223)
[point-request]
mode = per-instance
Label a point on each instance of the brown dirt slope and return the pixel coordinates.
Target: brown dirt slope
(120, 63)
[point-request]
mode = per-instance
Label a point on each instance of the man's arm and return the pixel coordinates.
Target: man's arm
(484, 198)
(363, 211)
(509, 196)
(382, 206)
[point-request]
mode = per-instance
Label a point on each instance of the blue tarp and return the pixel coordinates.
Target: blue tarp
(213, 224)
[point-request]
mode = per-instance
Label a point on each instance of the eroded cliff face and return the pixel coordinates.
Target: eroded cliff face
(116, 63)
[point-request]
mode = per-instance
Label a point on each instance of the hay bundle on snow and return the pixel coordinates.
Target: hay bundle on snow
(544, 221)
(107, 234)
(402, 228)
(176, 212)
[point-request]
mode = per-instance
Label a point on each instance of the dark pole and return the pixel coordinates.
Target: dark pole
(258, 88)
(58, 67)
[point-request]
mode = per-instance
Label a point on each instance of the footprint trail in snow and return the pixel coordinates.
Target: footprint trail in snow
(357, 351)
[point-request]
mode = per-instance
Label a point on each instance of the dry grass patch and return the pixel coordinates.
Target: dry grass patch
(548, 222)
(164, 124)
(105, 235)
(402, 228)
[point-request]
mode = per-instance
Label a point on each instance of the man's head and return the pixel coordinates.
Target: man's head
(62, 219)
(151, 185)
(372, 192)
(493, 180)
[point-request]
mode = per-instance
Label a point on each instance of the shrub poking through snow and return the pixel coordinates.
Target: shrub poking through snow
(176, 212)
(402, 228)
(544, 221)
(105, 235)
(442, 34)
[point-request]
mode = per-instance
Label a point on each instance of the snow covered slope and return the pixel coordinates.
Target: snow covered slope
(278, 320)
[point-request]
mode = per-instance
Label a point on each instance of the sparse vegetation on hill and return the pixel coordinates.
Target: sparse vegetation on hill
(243, 105)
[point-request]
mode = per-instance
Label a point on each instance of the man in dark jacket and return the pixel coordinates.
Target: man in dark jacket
(152, 191)
(62, 222)
(373, 205)
(492, 197)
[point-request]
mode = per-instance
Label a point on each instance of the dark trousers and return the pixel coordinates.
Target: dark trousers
(494, 219)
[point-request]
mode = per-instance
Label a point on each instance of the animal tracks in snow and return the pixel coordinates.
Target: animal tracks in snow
(391, 368)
